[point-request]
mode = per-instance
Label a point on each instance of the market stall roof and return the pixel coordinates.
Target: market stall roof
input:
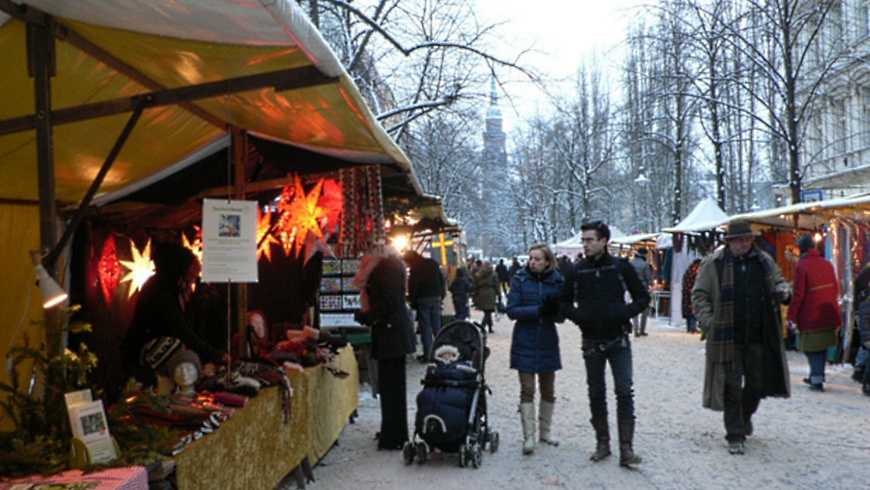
(705, 216)
(637, 239)
(810, 215)
(196, 70)
(574, 245)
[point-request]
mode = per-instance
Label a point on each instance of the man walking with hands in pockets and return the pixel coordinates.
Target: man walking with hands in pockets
(736, 303)
(593, 297)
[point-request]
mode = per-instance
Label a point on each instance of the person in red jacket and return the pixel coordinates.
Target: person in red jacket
(815, 308)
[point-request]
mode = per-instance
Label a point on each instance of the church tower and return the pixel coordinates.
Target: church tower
(494, 153)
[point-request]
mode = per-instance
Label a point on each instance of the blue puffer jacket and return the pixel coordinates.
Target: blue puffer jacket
(535, 343)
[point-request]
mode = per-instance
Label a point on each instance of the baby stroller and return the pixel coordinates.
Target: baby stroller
(451, 408)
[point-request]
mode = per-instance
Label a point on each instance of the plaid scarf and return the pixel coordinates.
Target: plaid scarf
(723, 316)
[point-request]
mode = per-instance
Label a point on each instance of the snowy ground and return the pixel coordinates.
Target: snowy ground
(811, 440)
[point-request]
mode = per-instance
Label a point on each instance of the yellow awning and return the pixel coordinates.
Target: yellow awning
(111, 50)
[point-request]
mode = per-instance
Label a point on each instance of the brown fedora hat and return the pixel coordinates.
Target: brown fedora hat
(737, 229)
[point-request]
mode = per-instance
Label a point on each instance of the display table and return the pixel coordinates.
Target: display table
(127, 478)
(256, 449)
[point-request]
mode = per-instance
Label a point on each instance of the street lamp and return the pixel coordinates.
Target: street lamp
(641, 181)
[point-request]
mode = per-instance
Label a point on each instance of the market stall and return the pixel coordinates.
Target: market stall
(259, 447)
(130, 114)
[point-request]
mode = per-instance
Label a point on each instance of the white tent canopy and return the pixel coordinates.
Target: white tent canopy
(574, 245)
(706, 215)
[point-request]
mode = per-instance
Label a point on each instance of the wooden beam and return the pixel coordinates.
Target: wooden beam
(290, 79)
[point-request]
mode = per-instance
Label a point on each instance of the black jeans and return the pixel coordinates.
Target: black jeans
(743, 388)
(596, 355)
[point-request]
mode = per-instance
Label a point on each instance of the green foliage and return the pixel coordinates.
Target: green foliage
(40, 441)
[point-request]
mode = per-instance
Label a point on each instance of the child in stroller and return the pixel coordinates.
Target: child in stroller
(451, 408)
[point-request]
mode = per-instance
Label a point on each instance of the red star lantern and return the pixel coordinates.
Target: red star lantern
(109, 269)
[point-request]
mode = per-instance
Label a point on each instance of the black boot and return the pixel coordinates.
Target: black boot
(602, 437)
(627, 457)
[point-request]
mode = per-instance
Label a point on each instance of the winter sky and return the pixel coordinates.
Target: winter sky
(562, 33)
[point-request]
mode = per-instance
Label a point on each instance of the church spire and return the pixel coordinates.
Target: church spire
(494, 110)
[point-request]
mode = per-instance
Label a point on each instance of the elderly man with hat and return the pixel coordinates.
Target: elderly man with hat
(736, 302)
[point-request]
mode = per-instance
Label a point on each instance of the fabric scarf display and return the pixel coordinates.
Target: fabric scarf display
(362, 221)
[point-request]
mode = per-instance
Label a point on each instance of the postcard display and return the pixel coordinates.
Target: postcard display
(339, 296)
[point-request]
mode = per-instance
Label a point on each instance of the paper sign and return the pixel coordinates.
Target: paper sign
(229, 241)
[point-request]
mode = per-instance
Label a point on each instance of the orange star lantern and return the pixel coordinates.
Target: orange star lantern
(265, 239)
(300, 215)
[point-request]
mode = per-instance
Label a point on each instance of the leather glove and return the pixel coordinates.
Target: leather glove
(549, 305)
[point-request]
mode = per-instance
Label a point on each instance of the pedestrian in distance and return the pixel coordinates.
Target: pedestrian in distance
(460, 290)
(862, 306)
(486, 293)
(644, 272)
(593, 297)
(736, 302)
(686, 306)
(515, 266)
(533, 304)
(504, 277)
(815, 309)
(427, 287)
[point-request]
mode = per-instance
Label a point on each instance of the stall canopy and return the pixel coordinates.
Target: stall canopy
(810, 215)
(574, 245)
(705, 216)
(195, 69)
(122, 98)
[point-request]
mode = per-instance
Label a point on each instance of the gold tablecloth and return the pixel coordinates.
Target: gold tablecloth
(255, 449)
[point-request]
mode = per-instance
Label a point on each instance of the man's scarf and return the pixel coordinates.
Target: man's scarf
(723, 315)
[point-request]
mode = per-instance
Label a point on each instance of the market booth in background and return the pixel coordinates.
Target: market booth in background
(122, 117)
(843, 225)
(692, 238)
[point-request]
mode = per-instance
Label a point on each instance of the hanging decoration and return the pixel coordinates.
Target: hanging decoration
(300, 215)
(196, 245)
(109, 269)
(332, 201)
(362, 221)
(140, 268)
(265, 238)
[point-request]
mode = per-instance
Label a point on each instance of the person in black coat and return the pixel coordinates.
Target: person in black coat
(159, 310)
(427, 287)
(460, 291)
(593, 297)
(504, 277)
(382, 283)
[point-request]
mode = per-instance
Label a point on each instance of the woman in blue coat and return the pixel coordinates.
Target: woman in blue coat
(533, 305)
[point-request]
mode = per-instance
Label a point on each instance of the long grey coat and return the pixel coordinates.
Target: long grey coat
(705, 297)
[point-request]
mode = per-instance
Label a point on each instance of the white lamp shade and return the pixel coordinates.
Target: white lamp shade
(52, 293)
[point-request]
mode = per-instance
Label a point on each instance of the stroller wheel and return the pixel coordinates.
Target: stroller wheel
(463, 456)
(493, 442)
(476, 455)
(422, 453)
(408, 452)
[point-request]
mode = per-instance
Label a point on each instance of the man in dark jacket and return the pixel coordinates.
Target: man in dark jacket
(426, 288)
(593, 297)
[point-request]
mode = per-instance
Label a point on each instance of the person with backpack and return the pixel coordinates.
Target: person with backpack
(593, 297)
